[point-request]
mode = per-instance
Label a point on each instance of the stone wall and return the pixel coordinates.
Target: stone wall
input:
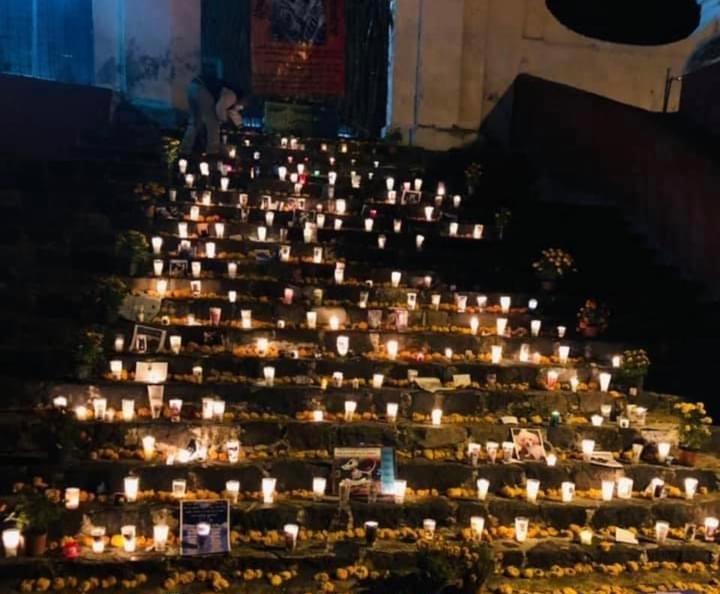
(471, 51)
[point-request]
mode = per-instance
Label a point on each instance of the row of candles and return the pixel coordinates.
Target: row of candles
(12, 537)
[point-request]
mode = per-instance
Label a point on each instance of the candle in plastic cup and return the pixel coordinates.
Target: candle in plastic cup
(128, 409)
(429, 528)
(436, 416)
(218, 409)
(532, 486)
(291, 533)
(501, 326)
(391, 411)
(419, 239)
(232, 448)
(604, 379)
(535, 327)
(711, 526)
(98, 539)
(72, 498)
(268, 490)
(269, 374)
(156, 394)
(319, 485)
(377, 380)
(482, 488)
(477, 525)
(508, 448)
(607, 487)
(395, 278)
(11, 541)
(342, 345)
(261, 345)
(269, 218)
(691, 485)
(232, 269)
(551, 459)
(478, 231)
(157, 243)
(160, 536)
(496, 353)
(588, 447)
(246, 319)
(521, 528)
(350, 408)
(586, 536)
(318, 416)
(661, 531)
(179, 488)
(567, 490)
(453, 229)
(563, 353)
(596, 420)
(492, 448)
(99, 408)
(132, 484)
(369, 224)
(128, 534)
(371, 529)
(232, 488)
(624, 488)
(474, 325)
(392, 349)
(663, 450)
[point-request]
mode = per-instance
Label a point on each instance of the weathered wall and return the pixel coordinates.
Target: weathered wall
(472, 50)
(148, 49)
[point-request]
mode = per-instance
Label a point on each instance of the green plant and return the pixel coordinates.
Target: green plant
(695, 424)
(553, 264)
(36, 513)
(171, 150)
(88, 351)
(464, 567)
(635, 363)
(593, 315)
(502, 217)
(106, 297)
(132, 249)
(473, 173)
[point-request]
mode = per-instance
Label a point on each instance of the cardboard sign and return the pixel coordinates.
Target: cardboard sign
(151, 372)
(204, 527)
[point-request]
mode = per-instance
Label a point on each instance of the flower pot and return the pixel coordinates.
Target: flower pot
(36, 544)
(687, 457)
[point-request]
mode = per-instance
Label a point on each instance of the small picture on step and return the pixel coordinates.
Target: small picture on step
(146, 339)
(529, 444)
(178, 268)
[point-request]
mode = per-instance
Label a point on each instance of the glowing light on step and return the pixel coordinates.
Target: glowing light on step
(551, 459)
(189, 180)
(391, 346)
(132, 484)
(391, 411)
(224, 183)
(194, 213)
(477, 525)
(99, 408)
(429, 528)
(318, 416)
(663, 450)
(478, 231)
(339, 274)
(72, 498)
(496, 354)
(232, 269)
(148, 445)
(268, 490)
(607, 489)
(98, 539)
(116, 368)
(429, 211)
(616, 360)
(210, 249)
(624, 487)
(532, 487)
(532, 304)
(501, 326)
(399, 490)
(561, 330)
(232, 488)
(319, 485)
(596, 420)
(350, 408)
(381, 240)
(711, 526)
(81, 413)
(505, 304)
(218, 409)
(161, 285)
(11, 541)
(482, 486)
(521, 528)
(395, 277)
(182, 165)
(535, 327)
(160, 537)
(179, 488)
(586, 536)
(474, 325)
(377, 380)
(436, 415)
(567, 491)
(232, 448)
(604, 379)
(282, 173)
(661, 532)
(563, 354)
(588, 447)
(691, 485)
(261, 345)
(269, 375)
(552, 379)
(158, 266)
(492, 449)
(128, 534)
(369, 224)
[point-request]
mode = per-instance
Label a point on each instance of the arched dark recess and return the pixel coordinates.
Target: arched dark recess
(636, 22)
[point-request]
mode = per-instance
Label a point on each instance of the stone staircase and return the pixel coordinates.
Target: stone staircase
(300, 320)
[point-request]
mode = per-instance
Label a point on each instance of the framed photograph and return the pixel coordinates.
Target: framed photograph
(364, 472)
(178, 268)
(204, 527)
(147, 339)
(529, 444)
(410, 197)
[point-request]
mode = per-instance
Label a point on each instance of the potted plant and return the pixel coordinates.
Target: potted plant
(694, 429)
(592, 319)
(634, 368)
(553, 265)
(132, 251)
(473, 173)
(502, 219)
(106, 297)
(88, 353)
(37, 514)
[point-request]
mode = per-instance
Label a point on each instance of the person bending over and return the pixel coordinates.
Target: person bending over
(212, 103)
